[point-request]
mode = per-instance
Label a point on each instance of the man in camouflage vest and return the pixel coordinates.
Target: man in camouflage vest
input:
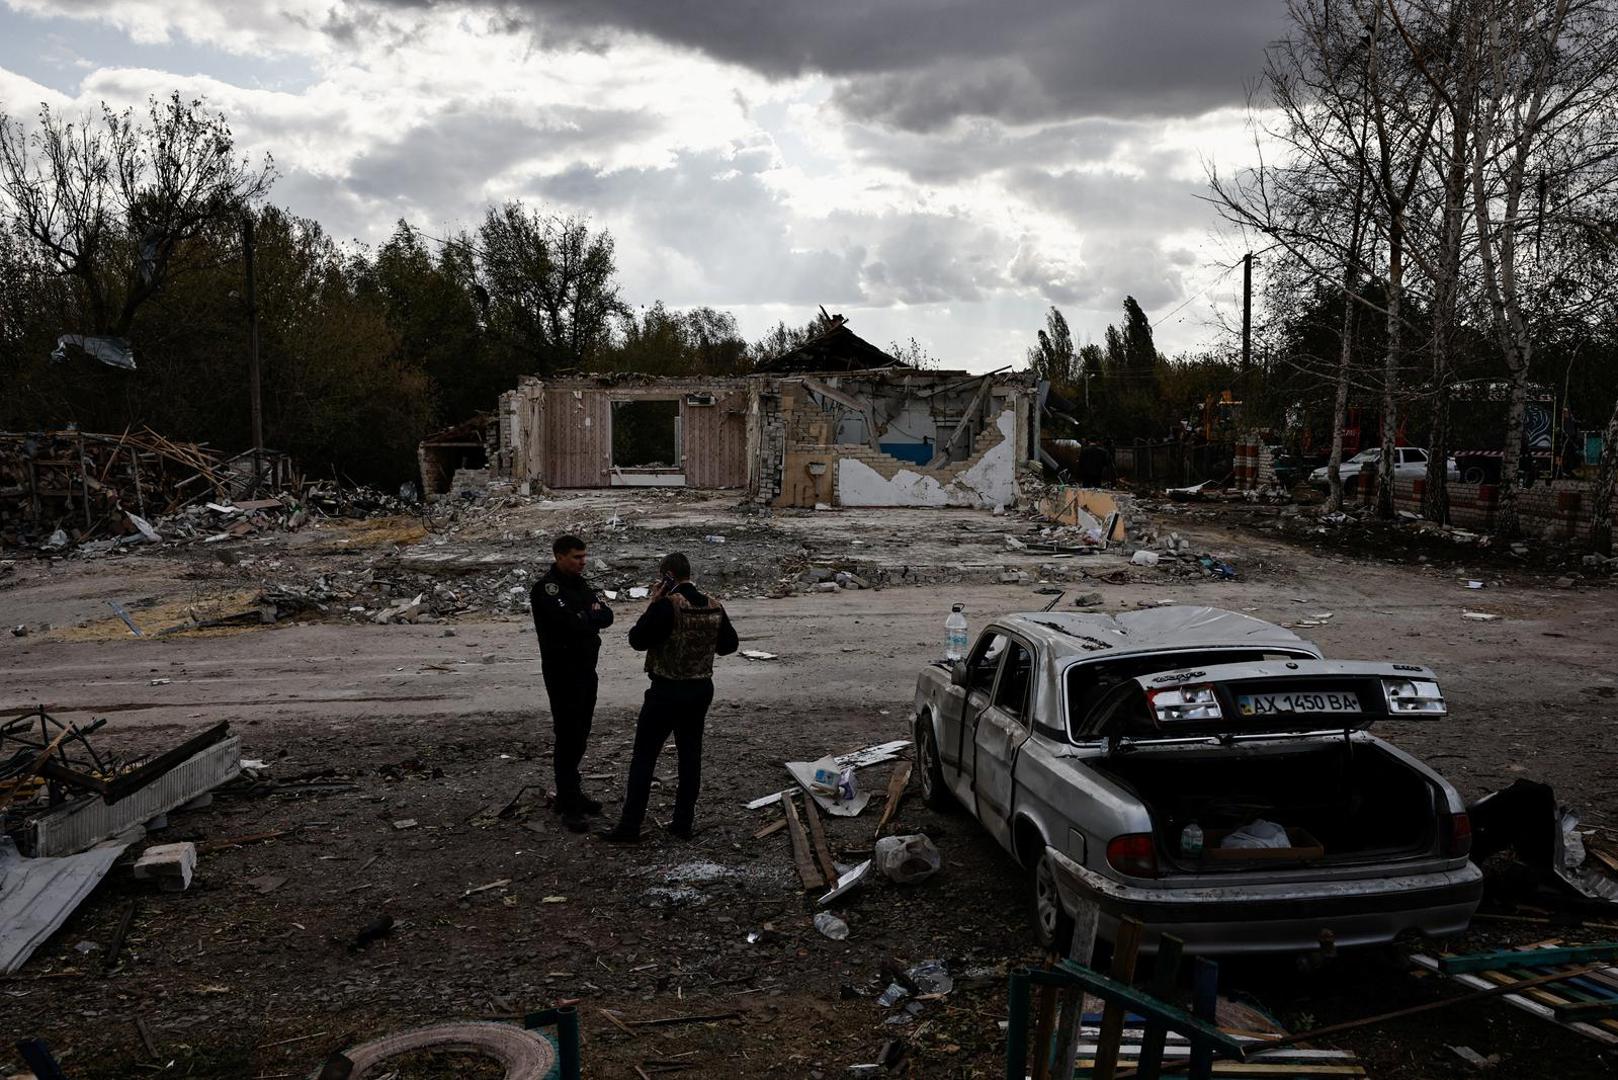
(680, 632)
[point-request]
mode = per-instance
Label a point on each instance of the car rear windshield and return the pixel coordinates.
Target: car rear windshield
(1088, 683)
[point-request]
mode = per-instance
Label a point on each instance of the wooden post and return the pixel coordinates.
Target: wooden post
(1043, 1030)
(1086, 923)
(1170, 950)
(1204, 1006)
(1125, 950)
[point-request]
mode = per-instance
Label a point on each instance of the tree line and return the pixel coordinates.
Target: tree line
(1435, 210)
(130, 227)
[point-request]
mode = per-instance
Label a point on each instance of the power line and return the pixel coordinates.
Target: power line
(1201, 292)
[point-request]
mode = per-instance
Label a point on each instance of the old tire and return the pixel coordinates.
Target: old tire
(526, 1055)
(1053, 926)
(930, 766)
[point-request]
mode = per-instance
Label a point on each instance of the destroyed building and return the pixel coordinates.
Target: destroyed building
(834, 421)
(892, 436)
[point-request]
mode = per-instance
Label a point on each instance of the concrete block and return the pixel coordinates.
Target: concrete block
(170, 865)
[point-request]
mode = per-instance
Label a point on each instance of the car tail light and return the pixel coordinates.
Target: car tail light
(1185, 703)
(1414, 697)
(1134, 854)
(1457, 834)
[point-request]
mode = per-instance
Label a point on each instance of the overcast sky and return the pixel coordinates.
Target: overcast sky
(936, 169)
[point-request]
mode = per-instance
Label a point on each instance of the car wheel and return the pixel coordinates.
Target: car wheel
(1052, 924)
(930, 767)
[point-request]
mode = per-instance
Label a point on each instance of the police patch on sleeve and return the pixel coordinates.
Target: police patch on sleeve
(551, 588)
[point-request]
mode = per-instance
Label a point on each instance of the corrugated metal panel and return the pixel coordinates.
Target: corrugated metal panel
(716, 442)
(77, 825)
(578, 438)
(37, 896)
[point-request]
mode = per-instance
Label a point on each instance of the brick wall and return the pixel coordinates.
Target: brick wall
(1561, 510)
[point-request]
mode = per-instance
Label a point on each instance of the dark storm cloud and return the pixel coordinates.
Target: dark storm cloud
(452, 154)
(918, 64)
(974, 147)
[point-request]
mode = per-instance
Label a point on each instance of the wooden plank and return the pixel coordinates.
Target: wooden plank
(1260, 1069)
(817, 834)
(1125, 951)
(1204, 1006)
(1527, 958)
(807, 872)
(1483, 992)
(1043, 1029)
(944, 447)
(773, 827)
(1586, 1010)
(1150, 1007)
(896, 793)
(1165, 974)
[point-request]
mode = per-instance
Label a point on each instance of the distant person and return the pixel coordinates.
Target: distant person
(1571, 455)
(1094, 464)
(681, 631)
(569, 618)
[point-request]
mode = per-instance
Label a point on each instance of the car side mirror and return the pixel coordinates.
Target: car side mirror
(957, 673)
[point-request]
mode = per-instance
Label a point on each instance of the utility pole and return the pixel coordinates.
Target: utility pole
(252, 354)
(1247, 311)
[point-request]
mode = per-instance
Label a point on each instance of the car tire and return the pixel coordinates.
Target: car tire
(1474, 474)
(1053, 926)
(930, 767)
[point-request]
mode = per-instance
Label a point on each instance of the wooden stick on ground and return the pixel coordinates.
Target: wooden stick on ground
(896, 793)
(817, 833)
(773, 827)
(807, 872)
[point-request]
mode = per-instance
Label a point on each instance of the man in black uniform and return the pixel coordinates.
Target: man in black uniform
(569, 618)
(680, 632)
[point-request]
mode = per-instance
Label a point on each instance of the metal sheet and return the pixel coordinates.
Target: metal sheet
(76, 826)
(37, 896)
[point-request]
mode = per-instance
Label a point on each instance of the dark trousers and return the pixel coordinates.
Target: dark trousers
(573, 704)
(677, 707)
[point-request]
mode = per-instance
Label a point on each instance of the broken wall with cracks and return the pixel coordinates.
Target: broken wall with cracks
(624, 431)
(892, 438)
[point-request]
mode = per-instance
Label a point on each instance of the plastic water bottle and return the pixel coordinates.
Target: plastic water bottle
(1191, 841)
(955, 634)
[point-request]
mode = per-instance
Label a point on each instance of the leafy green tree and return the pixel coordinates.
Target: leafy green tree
(1053, 359)
(552, 294)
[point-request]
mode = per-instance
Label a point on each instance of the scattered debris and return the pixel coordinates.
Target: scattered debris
(850, 880)
(907, 860)
(831, 926)
(40, 894)
(170, 865)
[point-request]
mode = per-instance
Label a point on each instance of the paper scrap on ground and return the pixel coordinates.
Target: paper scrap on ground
(804, 773)
(758, 654)
(868, 755)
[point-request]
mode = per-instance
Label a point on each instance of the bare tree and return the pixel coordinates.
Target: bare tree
(112, 203)
(1544, 126)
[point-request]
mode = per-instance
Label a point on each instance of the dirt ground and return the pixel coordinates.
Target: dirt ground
(253, 971)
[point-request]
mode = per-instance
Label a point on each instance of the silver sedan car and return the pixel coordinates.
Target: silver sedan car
(1204, 772)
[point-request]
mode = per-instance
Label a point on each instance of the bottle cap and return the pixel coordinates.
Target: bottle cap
(956, 607)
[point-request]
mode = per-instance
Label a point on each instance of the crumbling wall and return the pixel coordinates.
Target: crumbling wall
(985, 479)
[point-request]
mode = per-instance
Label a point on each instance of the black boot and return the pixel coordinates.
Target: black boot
(619, 835)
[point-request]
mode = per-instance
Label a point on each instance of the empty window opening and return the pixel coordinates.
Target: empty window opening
(646, 434)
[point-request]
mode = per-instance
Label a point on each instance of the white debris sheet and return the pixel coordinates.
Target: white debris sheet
(37, 896)
(858, 759)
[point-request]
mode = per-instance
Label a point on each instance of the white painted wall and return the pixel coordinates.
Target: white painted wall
(990, 482)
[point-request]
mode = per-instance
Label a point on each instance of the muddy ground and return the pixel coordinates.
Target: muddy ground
(252, 972)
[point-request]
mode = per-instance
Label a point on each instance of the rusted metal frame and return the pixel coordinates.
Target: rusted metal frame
(126, 784)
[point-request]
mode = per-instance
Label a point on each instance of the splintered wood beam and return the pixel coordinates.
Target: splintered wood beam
(971, 411)
(896, 793)
(848, 401)
(807, 872)
(817, 833)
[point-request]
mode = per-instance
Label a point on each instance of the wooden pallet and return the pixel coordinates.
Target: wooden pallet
(1568, 1003)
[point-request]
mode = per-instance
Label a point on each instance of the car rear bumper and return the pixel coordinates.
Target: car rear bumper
(1288, 917)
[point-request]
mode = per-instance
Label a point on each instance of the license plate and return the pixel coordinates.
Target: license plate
(1299, 702)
